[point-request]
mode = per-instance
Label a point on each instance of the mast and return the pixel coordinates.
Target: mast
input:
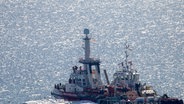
(92, 66)
(126, 55)
(87, 44)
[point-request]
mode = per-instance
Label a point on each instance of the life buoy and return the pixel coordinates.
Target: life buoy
(132, 95)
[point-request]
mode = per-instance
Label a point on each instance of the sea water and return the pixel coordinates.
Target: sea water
(41, 40)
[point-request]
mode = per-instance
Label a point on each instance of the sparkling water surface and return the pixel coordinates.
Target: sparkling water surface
(40, 41)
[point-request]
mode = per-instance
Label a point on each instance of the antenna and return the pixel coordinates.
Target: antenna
(86, 31)
(126, 53)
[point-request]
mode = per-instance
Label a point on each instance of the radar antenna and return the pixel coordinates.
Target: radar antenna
(86, 31)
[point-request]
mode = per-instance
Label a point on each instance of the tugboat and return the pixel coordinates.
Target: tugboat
(127, 89)
(85, 84)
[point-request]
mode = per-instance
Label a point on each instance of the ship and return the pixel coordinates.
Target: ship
(85, 83)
